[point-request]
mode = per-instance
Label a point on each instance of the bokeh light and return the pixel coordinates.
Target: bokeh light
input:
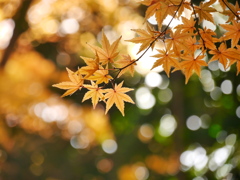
(69, 26)
(153, 79)
(194, 123)
(146, 132)
(109, 146)
(196, 158)
(165, 95)
(207, 81)
(143, 67)
(167, 126)
(6, 32)
(144, 98)
(226, 87)
(49, 137)
(105, 165)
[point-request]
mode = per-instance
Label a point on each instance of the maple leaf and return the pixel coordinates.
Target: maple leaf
(163, 10)
(146, 38)
(237, 60)
(176, 41)
(148, 2)
(95, 93)
(233, 13)
(233, 32)
(167, 59)
(204, 10)
(108, 52)
(117, 96)
(207, 40)
(183, 5)
(92, 66)
(73, 85)
(223, 55)
(191, 44)
(192, 64)
(151, 10)
(101, 75)
(187, 26)
(126, 64)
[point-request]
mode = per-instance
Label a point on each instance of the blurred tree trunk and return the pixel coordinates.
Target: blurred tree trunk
(177, 108)
(21, 26)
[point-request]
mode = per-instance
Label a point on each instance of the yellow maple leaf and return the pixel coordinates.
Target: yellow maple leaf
(95, 93)
(233, 32)
(146, 38)
(101, 75)
(126, 64)
(75, 83)
(117, 96)
(92, 66)
(107, 53)
(192, 64)
(167, 59)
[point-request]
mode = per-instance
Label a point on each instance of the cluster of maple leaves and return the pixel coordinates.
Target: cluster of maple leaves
(185, 48)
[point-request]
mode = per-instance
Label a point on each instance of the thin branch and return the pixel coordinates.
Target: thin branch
(197, 21)
(231, 10)
(151, 44)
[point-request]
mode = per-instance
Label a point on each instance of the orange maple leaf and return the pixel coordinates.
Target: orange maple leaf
(187, 26)
(237, 59)
(176, 41)
(191, 44)
(223, 55)
(183, 5)
(117, 96)
(192, 64)
(204, 10)
(126, 64)
(165, 9)
(233, 13)
(233, 32)
(152, 9)
(95, 93)
(162, 8)
(167, 59)
(148, 2)
(207, 38)
(73, 85)
(108, 52)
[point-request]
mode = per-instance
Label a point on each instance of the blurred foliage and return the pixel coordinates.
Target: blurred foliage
(175, 131)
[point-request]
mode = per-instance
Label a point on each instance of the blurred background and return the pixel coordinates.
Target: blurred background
(175, 131)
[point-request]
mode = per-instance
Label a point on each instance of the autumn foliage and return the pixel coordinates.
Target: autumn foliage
(186, 47)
